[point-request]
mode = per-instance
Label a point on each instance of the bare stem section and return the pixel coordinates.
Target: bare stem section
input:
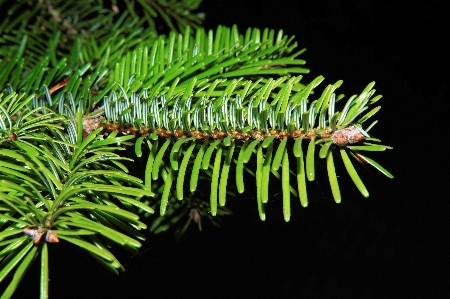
(341, 137)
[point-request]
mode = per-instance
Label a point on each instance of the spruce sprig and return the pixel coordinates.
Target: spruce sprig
(53, 188)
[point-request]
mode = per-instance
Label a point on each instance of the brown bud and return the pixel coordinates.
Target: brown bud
(195, 215)
(30, 230)
(90, 124)
(51, 237)
(38, 236)
(347, 135)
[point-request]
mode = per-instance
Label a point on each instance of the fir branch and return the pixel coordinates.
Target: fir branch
(197, 107)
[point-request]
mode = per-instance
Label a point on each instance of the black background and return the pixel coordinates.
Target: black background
(387, 246)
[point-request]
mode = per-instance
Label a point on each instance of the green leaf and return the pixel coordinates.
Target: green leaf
(325, 149)
(107, 232)
(15, 261)
(196, 166)
(92, 206)
(111, 139)
(127, 227)
(266, 175)
(249, 150)
(208, 154)
(166, 192)
(268, 141)
(175, 150)
(333, 178)
(111, 267)
(301, 182)
(116, 174)
(9, 232)
(75, 232)
(149, 165)
(12, 154)
(286, 188)
(224, 175)
(298, 152)
(83, 146)
(138, 146)
(44, 271)
(21, 269)
(106, 255)
(17, 174)
(353, 174)
(182, 170)
(15, 203)
(158, 158)
(369, 114)
(11, 247)
(259, 183)
(279, 155)
(310, 173)
(376, 165)
(215, 181)
(371, 148)
(136, 203)
(240, 167)
(79, 123)
(227, 141)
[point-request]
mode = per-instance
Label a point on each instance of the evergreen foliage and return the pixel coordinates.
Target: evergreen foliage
(89, 86)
